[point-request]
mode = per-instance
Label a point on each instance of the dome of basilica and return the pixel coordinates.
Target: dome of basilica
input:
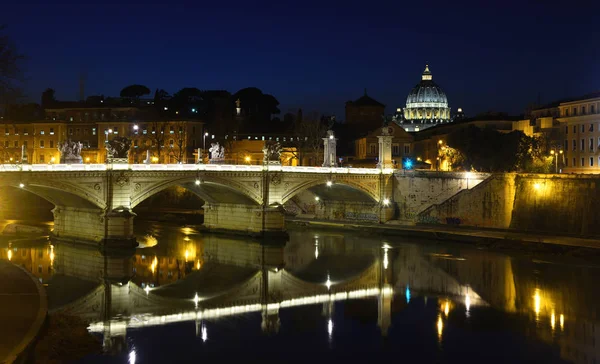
(427, 103)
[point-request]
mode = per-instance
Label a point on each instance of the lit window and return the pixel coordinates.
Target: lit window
(93, 131)
(41, 132)
(51, 131)
(41, 143)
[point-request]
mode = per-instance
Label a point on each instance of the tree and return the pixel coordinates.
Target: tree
(134, 92)
(11, 74)
(257, 109)
(180, 137)
(488, 150)
(156, 135)
(308, 137)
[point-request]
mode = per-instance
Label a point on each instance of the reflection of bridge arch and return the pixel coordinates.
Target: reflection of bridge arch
(367, 188)
(212, 189)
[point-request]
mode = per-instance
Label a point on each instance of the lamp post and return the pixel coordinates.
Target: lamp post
(555, 154)
(109, 131)
(204, 144)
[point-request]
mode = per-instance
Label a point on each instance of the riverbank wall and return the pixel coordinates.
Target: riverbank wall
(560, 203)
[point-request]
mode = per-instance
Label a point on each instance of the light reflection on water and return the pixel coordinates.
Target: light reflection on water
(183, 276)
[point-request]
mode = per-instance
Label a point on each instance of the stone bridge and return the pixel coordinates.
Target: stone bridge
(95, 202)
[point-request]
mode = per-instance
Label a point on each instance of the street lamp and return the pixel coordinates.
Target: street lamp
(555, 155)
(135, 128)
(204, 144)
(109, 131)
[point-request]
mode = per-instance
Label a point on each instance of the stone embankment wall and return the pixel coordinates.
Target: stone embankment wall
(415, 191)
(489, 204)
(534, 202)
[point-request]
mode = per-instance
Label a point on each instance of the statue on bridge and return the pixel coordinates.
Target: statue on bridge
(272, 153)
(70, 152)
(117, 149)
(217, 153)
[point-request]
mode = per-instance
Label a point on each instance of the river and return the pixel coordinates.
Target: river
(324, 295)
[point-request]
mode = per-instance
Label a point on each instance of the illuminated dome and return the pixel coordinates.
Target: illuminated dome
(426, 103)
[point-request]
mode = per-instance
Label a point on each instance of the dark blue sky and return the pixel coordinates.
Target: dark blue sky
(316, 54)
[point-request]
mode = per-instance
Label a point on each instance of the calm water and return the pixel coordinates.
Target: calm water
(323, 296)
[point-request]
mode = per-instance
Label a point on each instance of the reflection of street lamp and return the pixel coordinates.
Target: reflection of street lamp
(439, 163)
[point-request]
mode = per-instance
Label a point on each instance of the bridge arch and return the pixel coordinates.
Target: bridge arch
(59, 193)
(370, 193)
(208, 187)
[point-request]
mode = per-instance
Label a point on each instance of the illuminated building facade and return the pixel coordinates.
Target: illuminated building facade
(570, 130)
(178, 139)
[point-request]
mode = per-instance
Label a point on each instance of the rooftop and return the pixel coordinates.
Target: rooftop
(366, 100)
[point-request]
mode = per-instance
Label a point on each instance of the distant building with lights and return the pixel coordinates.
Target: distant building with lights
(92, 126)
(570, 126)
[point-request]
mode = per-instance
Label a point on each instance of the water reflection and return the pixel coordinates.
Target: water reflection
(181, 275)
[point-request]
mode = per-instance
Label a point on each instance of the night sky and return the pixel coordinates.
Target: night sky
(316, 55)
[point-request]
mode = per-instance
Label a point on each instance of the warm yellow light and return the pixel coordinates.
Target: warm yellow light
(419, 159)
(537, 300)
(187, 254)
(561, 320)
(198, 264)
(440, 327)
(561, 152)
(9, 254)
(11, 159)
(553, 320)
(87, 159)
(154, 159)
(447, 308)
(154, 264)
(51, 254)
(247, 159)
(537, 185)
(440, 141)
(329, 183)
(552, 152)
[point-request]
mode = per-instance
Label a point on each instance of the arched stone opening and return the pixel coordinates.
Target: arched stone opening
(334, 201)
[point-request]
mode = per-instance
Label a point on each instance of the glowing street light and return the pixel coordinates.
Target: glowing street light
(197, 182)
(21, 185)
(329, 183)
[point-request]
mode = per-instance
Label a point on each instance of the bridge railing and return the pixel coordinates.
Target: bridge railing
(186, 167)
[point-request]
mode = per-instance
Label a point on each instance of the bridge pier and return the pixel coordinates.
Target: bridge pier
(88, 225)
(247, 219)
